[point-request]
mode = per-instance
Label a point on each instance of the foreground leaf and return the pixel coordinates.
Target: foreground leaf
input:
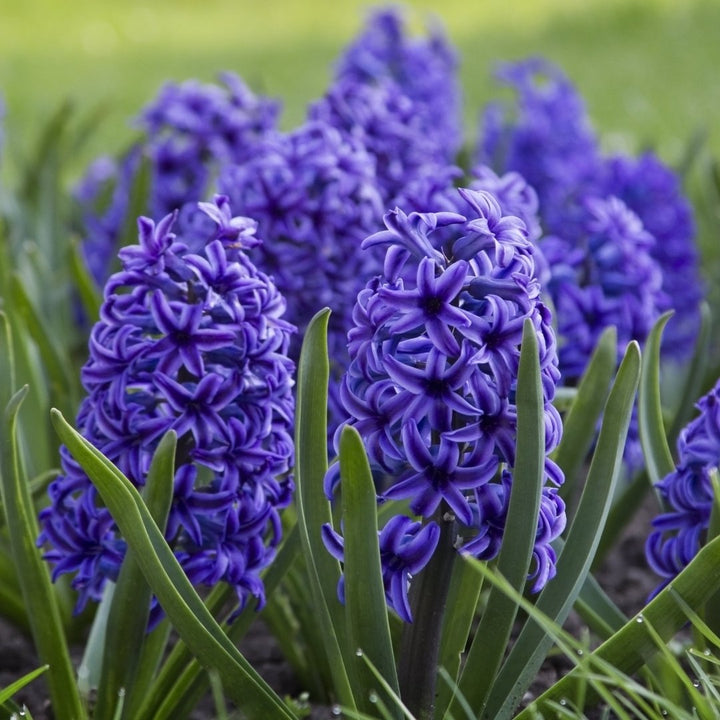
(192, 620)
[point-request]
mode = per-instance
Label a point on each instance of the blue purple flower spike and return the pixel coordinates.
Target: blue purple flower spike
(190, 130)
(430, 387)
(194, 341)
(400, 96)
(687, 493)
(546, 136)
(313, 194)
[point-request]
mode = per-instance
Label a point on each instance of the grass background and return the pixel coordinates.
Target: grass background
(647, 68)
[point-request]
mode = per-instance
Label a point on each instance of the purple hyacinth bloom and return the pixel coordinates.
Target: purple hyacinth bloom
(192, 340)
(424, 67)
(546, 137)
(313, 194)
(406, 546)
(687, 493)
(652, 191)
(190, 130)
(431, 383)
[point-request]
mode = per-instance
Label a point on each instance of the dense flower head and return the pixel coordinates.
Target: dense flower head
(604, 276)
(190, 130)
(431, 383)
(192, 341)
(652, 191)
(424, 67)
(312, 192)
(546, 136)
(687, 493)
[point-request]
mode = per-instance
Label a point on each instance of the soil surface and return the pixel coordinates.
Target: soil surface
(624, 575)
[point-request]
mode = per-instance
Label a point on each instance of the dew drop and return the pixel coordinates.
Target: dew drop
(664, 713)
(639, 619)
(696, 683)
(335, 711)
(706, 653)
(373, 697)
(579, 651)
(563, 701)
(359, 652)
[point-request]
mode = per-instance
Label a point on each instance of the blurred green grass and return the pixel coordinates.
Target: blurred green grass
(647, 68)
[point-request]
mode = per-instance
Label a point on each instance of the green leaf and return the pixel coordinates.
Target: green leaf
(558, 596)
(90, 296)
(632, 646)
(598, 610)
(192, 620)
(365, 606)
(695, 377)
(463, 597)
(55, 362)
(313, 507)
(7, 692)
(493, 633)
(126, 632)
(182, 682)
(658, 458)
(37, 591)
(581, 422)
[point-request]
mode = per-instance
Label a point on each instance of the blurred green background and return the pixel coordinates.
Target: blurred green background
(647, 68)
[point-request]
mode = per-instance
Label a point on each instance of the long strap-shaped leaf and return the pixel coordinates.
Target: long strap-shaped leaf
(488, 647)
(192, 620)
(558, 597)
(313, 507)
(365, 606)
(37, 590)
(658, 458)
(126, 632)
(580, 424)
(632, 646)
(695, 378)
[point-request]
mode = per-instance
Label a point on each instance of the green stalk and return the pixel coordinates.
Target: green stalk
(420, 645)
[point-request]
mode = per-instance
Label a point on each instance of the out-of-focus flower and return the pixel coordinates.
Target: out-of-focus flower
(312, 192)
(190, 131)
(400, 97)
(546, 136)
(430, 387)
(652, 191)
(423, 66)
(193, 341)
(687, 493)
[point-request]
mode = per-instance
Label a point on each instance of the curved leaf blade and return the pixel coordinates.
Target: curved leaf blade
(583, 537)
(192, 620)
(488, 647)
(658, 457)
(365, 606)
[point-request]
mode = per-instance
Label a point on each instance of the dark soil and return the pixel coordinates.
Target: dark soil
(624, 576)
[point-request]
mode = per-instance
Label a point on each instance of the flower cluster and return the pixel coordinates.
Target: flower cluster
(192, 341)
(687, 493)
(312, 192)
(190, 131)
(434, 359)
(400, 97)
(550, 142)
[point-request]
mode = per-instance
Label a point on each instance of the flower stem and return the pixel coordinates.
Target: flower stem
(420, 645)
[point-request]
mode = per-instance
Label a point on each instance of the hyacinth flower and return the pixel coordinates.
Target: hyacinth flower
(194, 341)
(312, 192)
(423, 66)
(430, 387)
(547, 137)
(687, 493)
(189, 131)
(400, 97)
